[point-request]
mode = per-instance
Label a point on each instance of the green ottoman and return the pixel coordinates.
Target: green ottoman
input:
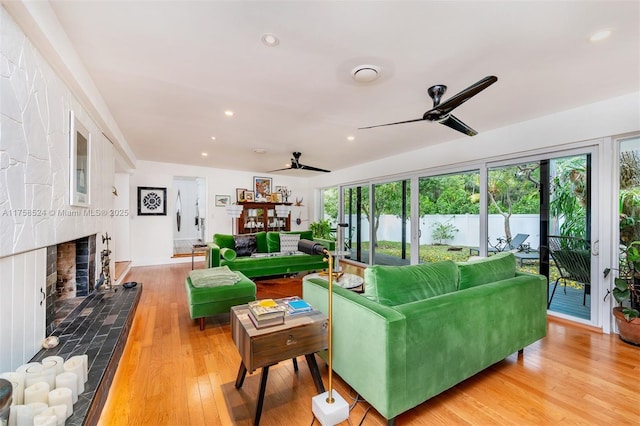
(214, 298)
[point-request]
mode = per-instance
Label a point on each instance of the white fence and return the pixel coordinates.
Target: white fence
(468, 226)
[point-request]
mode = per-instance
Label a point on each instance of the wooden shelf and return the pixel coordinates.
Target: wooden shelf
(258, 217)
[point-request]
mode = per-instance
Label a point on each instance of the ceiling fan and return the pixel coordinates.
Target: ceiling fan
(297, 165)
(441, 112)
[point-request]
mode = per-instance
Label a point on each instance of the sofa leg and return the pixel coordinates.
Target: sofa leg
(520, 353)
(391, 422)
(201, 322)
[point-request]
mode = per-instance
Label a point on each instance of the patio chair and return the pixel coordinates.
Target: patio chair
(515, 244)
(527, 253)
(572, 257)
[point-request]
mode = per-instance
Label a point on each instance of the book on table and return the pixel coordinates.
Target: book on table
(266, 322)
(266, 309)
(299, 306)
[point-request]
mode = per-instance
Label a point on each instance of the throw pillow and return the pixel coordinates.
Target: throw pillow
(289, 243)
(227, 254)
(245, 244)
(498, 267)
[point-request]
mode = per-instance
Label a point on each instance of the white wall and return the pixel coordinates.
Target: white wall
(35, 107)
(152, 236)
(121, 220)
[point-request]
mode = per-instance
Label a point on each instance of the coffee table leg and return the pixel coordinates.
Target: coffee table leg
(242, 372)
(315, 373)
(263, 385)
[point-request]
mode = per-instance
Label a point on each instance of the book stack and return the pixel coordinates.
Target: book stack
(298, 307)
(266, 312)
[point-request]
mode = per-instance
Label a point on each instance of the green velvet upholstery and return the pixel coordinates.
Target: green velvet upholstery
(273, 239)
(409, 283)
(397, 357)
(207, 301)
(265, 265)
(498, 267)
(227, 254)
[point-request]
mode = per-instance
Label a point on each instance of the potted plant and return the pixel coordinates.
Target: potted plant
(627, 293)
(322, 233)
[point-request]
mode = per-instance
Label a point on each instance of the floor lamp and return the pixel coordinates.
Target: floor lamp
(328, 407)
(235, 211)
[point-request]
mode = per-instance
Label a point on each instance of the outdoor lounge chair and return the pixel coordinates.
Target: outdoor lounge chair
(526, 254)
(515, 244)
(572, 257)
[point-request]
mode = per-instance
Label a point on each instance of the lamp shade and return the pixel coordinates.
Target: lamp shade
(282, 210)
(234, 210)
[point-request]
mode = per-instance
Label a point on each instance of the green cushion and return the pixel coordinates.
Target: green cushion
(227, 254)
(224, 241)
(397, 285)
(261, 242)
(273, 239)
(498, 267)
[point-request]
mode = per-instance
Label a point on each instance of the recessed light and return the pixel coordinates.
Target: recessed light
(600, 35)
(351, 138)
(228, 113)
(259, 150)
(204, 154)
(213, 138)
(270, 40)
(366, 73)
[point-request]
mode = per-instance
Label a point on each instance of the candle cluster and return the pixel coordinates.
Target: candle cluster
(44, 392)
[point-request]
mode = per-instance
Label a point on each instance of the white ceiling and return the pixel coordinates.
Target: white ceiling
(169, 69)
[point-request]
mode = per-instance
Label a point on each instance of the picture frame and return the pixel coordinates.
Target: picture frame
(262, 188)
(223, 200)
(79, 163)
(240, 194)
(248, 196)
(152, 201)
(275, 197)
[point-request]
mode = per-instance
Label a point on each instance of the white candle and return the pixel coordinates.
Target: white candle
(44, 420)
(17, 382)
(34, 375)
(59, 411)
(68, 380)
(38, 407)
(75, 365)
(49, 372)
(37, 392)
(21, 415)
(85, 366)
(62, 396)
(59, 362)
(23, 367)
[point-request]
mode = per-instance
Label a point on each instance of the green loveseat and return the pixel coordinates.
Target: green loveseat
(419, 330)
(267, 260)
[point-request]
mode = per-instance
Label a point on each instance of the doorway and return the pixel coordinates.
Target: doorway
(189, 215)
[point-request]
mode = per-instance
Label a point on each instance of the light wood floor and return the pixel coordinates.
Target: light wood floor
(171, 373)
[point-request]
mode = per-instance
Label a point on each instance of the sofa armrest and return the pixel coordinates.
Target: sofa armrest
(212, 256)
(368, 344)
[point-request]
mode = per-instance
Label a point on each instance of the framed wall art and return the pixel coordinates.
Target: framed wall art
(79, 163)
(240, 194)
(152, 201)
(223, 200)
(262, 188)
(248, 196)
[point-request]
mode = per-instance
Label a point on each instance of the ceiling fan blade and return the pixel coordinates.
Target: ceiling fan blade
(391, 124)
(313, 169)
(438, 112)
(279, 170)
(455, 123)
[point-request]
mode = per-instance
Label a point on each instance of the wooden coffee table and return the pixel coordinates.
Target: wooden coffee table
(302, 334)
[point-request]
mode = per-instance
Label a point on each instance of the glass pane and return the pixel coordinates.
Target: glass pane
(449, 216)
(356, 216)
(391, 227)
(569, 236)
(514, 213)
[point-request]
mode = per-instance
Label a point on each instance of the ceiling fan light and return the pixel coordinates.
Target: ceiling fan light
(366, 73)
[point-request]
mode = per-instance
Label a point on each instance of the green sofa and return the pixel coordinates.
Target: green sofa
(267, 259)
(419, 330)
